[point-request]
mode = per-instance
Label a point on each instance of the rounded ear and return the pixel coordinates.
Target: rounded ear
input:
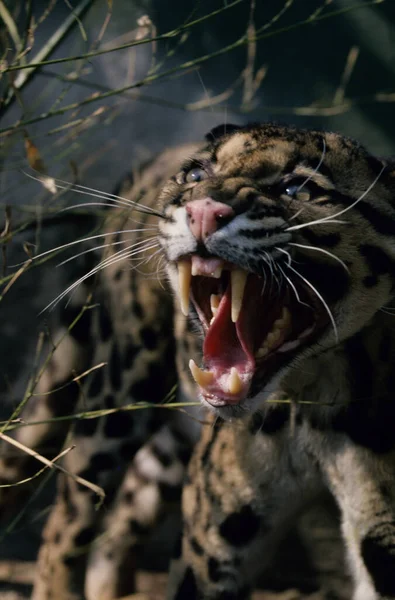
(221, 130)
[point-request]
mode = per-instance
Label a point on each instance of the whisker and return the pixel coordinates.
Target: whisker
(310, 285)
(317, 167)
(284, 252)
(83, 204)
(118, 256)
(80, 241)
(316, 249)
(293, 287)
(103, 246)
(330, 218)
(82, 189)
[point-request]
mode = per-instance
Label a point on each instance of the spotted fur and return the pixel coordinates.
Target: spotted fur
(313, 220)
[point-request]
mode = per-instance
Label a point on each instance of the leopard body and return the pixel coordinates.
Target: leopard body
(309, 218)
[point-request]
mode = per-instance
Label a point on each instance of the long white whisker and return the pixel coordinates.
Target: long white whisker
(328, 310)
(80, 241)
(284, 252)
(297, 214)
(295, 291)
(316, 249)
(330, 218)
(83, 204)
(102, 246)
(82, 189)
(317, 167)
(120, 255)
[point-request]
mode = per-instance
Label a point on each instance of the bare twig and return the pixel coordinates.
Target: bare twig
(188, 65)
(52, 465)
(38, 59)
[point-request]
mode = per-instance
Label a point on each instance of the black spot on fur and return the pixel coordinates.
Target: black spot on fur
(153, 387)
(102, 461)
(117, 425)
(271, 422)
(196, 547)
(109, 401)
(370, 281)
(213, 568)
(105, 325)
(381, 222)
(130, 354)
(81, 329)
(170, 493)
(115, 368)
(128, 449)
(240, 528)
(377, 260)
(380, 562)
(85, 536)
(149, 337)
(177, 551)
(137, 310)
(162, 456)
(137, 528)
(188, 588)
(128, 497)
(96, 383)
(331, 280)
(330, 240)
(71, 561)
(86, 427)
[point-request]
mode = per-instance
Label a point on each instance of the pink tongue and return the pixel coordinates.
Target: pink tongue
(227, 344)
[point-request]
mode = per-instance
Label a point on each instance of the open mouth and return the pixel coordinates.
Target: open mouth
(252, 326)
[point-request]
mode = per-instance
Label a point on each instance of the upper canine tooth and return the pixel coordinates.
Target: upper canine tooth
(184, 284)
(202, 378)
(238, 281)
(235, 384)
(217, 273)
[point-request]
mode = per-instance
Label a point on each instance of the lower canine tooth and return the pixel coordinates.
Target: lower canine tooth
(238, 282)
(235, 384)
(184, 284)
(202, 378)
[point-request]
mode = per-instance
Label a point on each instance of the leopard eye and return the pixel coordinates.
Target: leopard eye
(195, 175)
(297, 190)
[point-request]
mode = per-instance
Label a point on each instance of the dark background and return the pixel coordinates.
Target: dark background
(305, 53)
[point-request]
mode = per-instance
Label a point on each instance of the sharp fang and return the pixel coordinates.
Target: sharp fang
(238, 281)
(184, 284)
(235, 384)
(217, 273)
(202, 378)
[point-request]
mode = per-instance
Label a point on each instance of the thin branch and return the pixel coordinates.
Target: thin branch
(165, 36)
(47, 49)
(52, 465)
(190, 64)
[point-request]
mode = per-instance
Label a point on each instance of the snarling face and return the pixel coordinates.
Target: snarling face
(268, 233)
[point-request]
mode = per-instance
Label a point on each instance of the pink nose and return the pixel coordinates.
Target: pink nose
(205, 216)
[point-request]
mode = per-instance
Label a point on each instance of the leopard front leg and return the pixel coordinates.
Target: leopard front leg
(363, 484)
(246, 485)
(150, 488)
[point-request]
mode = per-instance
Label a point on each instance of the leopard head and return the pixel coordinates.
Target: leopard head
(280, 242)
